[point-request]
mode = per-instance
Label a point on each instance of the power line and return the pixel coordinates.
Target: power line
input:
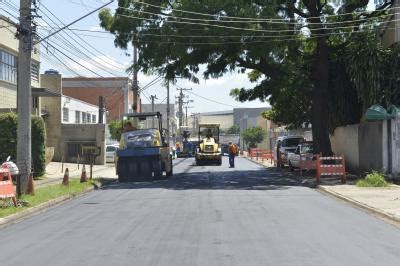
(236, 28)
(247, 18)
(210, 100)
(266, 21)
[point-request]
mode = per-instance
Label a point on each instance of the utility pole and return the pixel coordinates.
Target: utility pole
(186, 112)
(24, 95)
(152, 97)
(168, 112)
(180, 105)
(135, 83)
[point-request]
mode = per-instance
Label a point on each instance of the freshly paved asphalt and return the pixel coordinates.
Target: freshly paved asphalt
(208, 215)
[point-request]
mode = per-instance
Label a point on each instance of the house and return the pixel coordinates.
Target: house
(118, 96)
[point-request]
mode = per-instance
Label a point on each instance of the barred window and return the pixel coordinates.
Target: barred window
(8, 67)
(88, 118)
(77, 117)
(83, 117)
(35, 72)
(65, 114)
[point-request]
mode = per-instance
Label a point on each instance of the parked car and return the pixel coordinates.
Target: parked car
(110, 153)
(283, 146)
(303, 149)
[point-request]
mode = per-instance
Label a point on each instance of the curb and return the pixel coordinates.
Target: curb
(25, 214)
(359, 204)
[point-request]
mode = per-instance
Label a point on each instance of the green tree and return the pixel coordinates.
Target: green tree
(253, 135)
(235, 129)
(290, 55)
(115, 128)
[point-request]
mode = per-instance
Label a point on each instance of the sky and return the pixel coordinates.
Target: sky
(214, 92)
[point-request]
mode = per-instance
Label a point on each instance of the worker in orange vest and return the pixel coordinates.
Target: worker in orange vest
(232, 152)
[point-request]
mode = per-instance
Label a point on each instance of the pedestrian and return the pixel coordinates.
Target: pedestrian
(232, 152)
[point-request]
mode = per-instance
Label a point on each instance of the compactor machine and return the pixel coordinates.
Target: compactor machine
(144, 153)
(209, 149)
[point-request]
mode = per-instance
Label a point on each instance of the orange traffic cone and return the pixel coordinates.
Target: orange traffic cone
(65, 181)
(83, 175)
(31, 185)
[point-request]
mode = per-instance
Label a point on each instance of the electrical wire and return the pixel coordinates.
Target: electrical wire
(210, 100)
(267, 21)
(247, 18)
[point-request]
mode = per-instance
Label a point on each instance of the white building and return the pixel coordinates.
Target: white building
(75, 111)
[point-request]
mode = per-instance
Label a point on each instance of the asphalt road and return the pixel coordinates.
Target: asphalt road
(208, 215)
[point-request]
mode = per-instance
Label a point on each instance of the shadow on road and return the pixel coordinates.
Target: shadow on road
(263, 179)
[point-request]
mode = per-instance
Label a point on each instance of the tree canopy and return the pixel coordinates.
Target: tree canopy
(253, 136)
(291, 49)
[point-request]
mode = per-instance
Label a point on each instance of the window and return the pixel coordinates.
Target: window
(83, 117)
(65, 114)
(88, 118)
(8, 67)
(111, 149)
(77, 117)
(35, 72)
(93, 118)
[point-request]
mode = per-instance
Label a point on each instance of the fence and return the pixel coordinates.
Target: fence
(307, 162)
(331, 166)
(261, 153)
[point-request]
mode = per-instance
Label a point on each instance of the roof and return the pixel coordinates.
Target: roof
(146, 114)
(208, 125)
(43, 92)
(229, 112)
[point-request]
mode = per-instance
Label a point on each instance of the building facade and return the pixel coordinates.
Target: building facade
(8, 67)
(118, 95)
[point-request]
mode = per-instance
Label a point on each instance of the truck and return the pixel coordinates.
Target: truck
(283, 146)
(143, 153)
(209, 149)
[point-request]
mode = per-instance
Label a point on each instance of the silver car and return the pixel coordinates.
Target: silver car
(110, 153)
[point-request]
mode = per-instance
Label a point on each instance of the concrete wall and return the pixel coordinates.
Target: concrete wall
(76, 135)
(51, 106)
(370, 143)
(396, 145)
(364, 146)
(345, 141)
(225, 121)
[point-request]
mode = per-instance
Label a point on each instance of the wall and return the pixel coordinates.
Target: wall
(371, 146)
(76, 135)
(263, 123)
(225, 121)
(364, 146)
(51, 106)
(396, 145)
(345, 141)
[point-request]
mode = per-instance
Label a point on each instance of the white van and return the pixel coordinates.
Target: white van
(283, 146)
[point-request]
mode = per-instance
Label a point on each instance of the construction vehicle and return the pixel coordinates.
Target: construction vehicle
(143, 153)
(187, 148)
(209, 149)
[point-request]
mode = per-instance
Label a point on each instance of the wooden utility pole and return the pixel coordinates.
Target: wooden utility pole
(24, 95)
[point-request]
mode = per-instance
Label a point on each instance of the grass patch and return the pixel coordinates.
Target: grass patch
(44, 194)
(374, 179)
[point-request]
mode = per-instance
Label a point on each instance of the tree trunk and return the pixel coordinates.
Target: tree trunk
(320, 98)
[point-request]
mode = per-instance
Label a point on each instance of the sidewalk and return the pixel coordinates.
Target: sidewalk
(384, 201)
(55, 175)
